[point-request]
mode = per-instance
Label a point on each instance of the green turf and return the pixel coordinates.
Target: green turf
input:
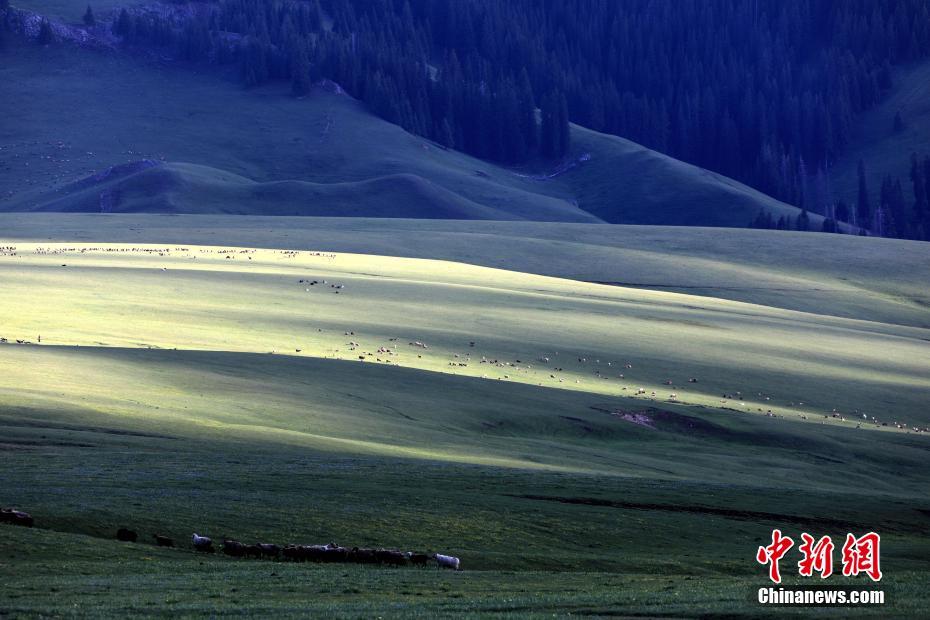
(228, 445)
(205, 299)
(241, 140)
(837, 275)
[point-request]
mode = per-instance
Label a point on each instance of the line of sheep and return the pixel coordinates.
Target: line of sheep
(295, 553)
(330, 553)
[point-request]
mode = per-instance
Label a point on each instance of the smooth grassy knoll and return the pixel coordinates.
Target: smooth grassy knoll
(472, 321)
(836, 275)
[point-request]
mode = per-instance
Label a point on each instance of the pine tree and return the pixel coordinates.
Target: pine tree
(528, 125)
(89, 19)
(842, 211)
(549, 133)
(804, 221)
(920, 191)
(46, 34)
(863, 206)
(446, 137)
(564, 128)
(123, 24)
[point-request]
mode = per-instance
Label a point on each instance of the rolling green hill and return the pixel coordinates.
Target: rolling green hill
(241, 300)
(884, 150)
(836, 275)
(262, 151)
(188, 188)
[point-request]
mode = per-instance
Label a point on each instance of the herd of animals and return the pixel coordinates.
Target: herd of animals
(328, 553)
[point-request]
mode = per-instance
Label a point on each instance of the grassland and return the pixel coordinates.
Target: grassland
(252, 301)
(168, 395)
(836, 275)
(263, 152)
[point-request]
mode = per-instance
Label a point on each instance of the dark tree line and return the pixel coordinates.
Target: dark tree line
(897, 212)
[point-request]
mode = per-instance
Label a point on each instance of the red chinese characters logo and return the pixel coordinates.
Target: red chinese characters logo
(860, 555)
(773, 553)
(817, 556)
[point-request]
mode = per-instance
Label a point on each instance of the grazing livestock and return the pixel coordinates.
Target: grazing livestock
(163, 541)
(334, 553)
(391, 558)
(252, 551)
(363, 556)
(126, 535)
(233, 548)
(16, 517)
(419, 559)
(446, 561)
(202, 543)
(268, 550)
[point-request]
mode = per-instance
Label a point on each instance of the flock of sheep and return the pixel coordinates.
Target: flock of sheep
(307, 553)
(296, 553)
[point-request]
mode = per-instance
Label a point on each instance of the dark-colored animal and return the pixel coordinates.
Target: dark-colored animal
(391, 558)
(233, 548)
(253, 551)
(269, 550)
(363, 556)
(16, 517)
(126, 535)
(334, 553)
(202, 544)
(419, 559)
(163, 541)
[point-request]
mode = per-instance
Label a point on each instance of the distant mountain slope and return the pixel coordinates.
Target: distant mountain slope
(271, 154)
(884, 150)
(626, 183)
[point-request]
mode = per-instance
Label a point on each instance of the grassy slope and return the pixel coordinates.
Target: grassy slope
(188, 188)
(846, 276)
(264, 135)
(223, 437)
(883, 150)
(207, 301)
(627, 183)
